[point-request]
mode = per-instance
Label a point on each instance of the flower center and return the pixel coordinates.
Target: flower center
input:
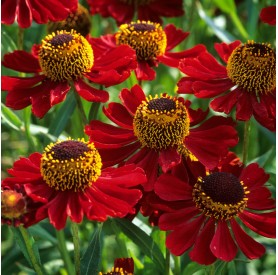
(70, 165)
(65, 56)
(220, 195)
(79, 21)
(252, 67)
(146, 38)
(160, 123)
(13, 204)
(116, 271)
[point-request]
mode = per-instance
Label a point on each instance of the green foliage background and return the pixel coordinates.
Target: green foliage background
(208, 21)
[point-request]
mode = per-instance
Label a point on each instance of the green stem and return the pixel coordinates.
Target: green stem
(27, 122)
(20, 36)
(177, 262)
(64, 252)
(80, 108)
(26, 237)
(245, 141)
(167, 260)
(74, 228)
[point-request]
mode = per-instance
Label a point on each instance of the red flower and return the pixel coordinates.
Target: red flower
(122, 266)
(76, 186)
(248, 82)
(157, 132)
(16, 206)
(268, 15)
(40, 11)
(152, 44)
(76, 61)
(123, 11)
(218, 206)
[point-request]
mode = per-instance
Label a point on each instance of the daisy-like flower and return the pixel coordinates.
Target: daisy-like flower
(153, 45)
(78, 20)
(69, 180)
(268, 15)
(122, 266)
(17, 208)
(220, 208)
(123, 11)
(157, 131)
(41, 12)
(62, 59)
(247, 82)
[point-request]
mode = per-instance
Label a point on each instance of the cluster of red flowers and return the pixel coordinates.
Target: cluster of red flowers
(159, 156)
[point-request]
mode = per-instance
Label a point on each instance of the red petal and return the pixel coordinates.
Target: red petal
(11, 82)
(222, 244)
(132, 98)
(225, 50)
(144, 71)
(24, 16)
(171, 188)
(244, 108)
(8, 11)
(21, 61)
(181, 239)
(248, 245)
(225, 103)
(268, 15)
(119, 115)
(263, 224)
(174, 36)
(168, 159)
(74, 207)
(201, 252)
(260, 199)
(89, 93)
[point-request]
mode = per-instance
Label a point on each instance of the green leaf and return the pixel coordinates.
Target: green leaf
(7, 44)
(144, 241)
(90, 261)
(62, 116)
(192, 268)
(10, 118)
(262, 160)
(38, 231)
(227, 6)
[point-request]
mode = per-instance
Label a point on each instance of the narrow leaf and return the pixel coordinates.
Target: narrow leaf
(144, 241)
(90, 261)
(10, 118)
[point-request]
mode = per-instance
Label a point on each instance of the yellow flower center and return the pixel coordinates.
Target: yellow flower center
(146, 38)
(70, 165)
(79, 21)
(13, 204)
(161, 123)
(65, 56)
(252, 67)
(220, 195)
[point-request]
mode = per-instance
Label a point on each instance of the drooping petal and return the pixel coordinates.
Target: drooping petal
(201, 252)
(263, 223)
(174, 36)
(168, 159)
(144, 71)
(222, 245)
(24, 16)
(225, 50)
(8, 11)
(224, 103)
(268, 15)
(244, 109)
(248, 245)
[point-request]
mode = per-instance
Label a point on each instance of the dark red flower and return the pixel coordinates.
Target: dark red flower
(123, 11)
(157, 132)
(268, 15)
(62, 59)
(219, 205)
(25, 11)
(76, 185)
(152, 43)
(248, 82)
(17, 208)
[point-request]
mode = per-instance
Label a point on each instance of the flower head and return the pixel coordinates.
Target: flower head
(248, 82)
(78, 20)
(41, 12)
(158, 131)
(123, 11)
(63, 59)
(122, 266)
(67, 178)
(152, 44)
(217, 208)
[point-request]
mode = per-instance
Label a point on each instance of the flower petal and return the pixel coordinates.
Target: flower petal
(225, 50)
(168, 159)
(248, 245)
(222, 245)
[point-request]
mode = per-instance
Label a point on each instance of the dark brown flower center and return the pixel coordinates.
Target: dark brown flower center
(220, 195)
(252, 67)
(146, 38)
(65, 56)
(70, 165)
